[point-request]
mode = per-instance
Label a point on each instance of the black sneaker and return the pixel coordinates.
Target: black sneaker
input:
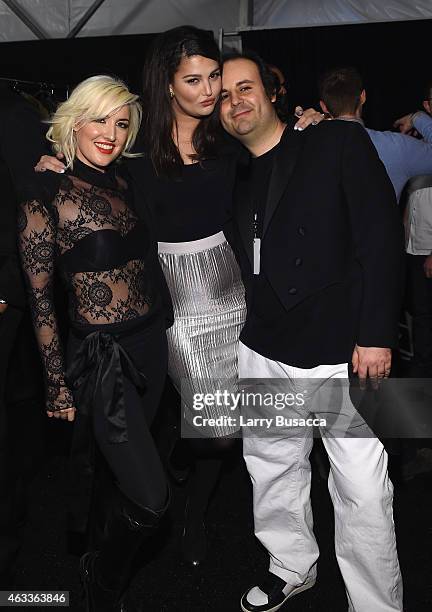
(271, 594)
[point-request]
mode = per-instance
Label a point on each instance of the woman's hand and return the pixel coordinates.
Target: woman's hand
(308, 117)
(49, 162)
(61, 404)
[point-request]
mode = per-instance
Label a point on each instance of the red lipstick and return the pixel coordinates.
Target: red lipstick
(104, 147)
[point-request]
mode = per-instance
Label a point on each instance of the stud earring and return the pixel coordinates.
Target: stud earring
(171, 93)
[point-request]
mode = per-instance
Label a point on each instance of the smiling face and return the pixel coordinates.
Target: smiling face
(196, 86)
(100, 142)
(246, 110)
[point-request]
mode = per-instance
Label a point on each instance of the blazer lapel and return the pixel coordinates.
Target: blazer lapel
(244, 208)
(283, 168)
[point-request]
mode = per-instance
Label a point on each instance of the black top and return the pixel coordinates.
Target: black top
(265, 303)
(260, 174)
(83, 224)
(268, 328)
(193, 205)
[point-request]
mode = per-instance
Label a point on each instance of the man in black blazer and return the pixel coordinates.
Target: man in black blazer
(21, 144)
(319, 241)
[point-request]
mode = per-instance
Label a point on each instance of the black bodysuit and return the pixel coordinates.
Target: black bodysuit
(82, 225)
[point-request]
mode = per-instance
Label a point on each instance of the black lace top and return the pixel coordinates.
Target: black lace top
(82, 223)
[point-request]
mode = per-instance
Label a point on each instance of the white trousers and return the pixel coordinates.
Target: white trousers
(360, 489)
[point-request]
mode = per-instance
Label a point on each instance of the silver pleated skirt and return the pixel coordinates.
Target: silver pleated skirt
(209, 312)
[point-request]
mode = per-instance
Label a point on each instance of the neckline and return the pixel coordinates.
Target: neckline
(194, 164)
(353, 119)
(107, 179)
(265, 156)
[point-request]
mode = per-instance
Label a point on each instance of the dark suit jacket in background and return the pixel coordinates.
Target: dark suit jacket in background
(22, 142)
(331, 206)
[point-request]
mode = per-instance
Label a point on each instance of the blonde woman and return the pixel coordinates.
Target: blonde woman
(82, 224)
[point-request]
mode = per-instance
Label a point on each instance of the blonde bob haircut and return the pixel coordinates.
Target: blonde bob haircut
(93, 99)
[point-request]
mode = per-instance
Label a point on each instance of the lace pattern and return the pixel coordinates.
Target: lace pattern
(48, 231)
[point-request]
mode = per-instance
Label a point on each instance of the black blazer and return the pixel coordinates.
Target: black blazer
(21, 145)
(330, 216)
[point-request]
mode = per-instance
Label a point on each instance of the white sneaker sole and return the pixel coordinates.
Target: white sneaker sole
(296, 591)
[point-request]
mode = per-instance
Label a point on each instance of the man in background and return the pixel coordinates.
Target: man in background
(343, 96)
(418, 229)
(418, 232)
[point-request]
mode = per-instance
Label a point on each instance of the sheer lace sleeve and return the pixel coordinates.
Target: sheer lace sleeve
(37, 234)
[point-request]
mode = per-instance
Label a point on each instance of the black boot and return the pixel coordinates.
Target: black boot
(201, 486)
(210, 455)
(178, 463)
(194, 537)
(106, 574)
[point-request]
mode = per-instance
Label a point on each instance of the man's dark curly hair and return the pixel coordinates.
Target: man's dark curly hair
(268, 77)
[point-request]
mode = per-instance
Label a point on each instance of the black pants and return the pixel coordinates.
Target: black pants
(9, 543)
(420, 305)
(135, 464)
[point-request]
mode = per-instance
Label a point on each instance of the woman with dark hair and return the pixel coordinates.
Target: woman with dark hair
(181, 86)
(188, 176)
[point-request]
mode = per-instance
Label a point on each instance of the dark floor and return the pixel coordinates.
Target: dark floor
(166, 584)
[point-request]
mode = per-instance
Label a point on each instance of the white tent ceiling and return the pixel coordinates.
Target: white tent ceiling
(56, 18)
(297, 13)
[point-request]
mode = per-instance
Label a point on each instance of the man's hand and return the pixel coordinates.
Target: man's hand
(308, 117)
(49, 162)
(3, 308)
(405, 125)
(373, 362)
(427, 266)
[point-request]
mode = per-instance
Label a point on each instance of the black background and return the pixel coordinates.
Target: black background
(393, 58)
(66, 62)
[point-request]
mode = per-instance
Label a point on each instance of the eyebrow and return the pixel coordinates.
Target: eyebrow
(187, 76)
(111, 114)
(239, 83)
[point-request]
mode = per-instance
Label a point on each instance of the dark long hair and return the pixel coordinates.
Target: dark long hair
(160, 65)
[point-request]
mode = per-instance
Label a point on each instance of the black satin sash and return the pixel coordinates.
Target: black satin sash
(96, 377)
